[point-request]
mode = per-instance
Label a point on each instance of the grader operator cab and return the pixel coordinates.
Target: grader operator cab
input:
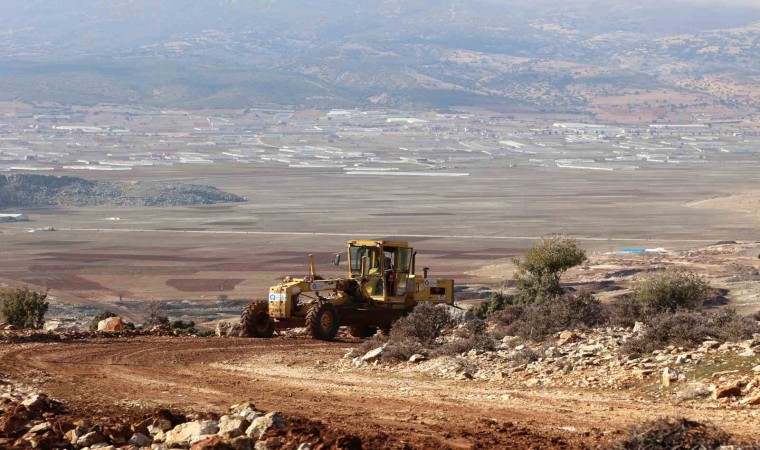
(381, 285)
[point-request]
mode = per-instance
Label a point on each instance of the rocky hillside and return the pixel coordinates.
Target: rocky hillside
(22, 190)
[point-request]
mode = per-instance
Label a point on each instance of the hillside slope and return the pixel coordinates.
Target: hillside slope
(22, 190)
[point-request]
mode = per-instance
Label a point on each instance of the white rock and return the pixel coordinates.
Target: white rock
(40, 428)
(373, 355)
(111, 324)
(90, 439)
(232, 426)
(417, 357)
(259, 427)
(140, 440)
(190, 432)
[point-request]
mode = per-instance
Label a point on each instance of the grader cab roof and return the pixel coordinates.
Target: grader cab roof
(373, 242)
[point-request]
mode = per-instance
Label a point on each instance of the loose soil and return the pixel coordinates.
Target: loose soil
(298, 377)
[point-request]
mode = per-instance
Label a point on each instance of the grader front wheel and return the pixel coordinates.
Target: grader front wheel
(322, 321)
(256, 322)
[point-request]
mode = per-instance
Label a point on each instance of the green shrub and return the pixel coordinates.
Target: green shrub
(690, 328)
(481, 310)
(471, 336)
(671, 289)
(424, 324)
(497, 303)
(153, 314)
(541, 320)
(23, 307)
(626, 311)
(182, 325)
(539, 270)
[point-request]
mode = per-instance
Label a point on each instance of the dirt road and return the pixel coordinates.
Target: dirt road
(299, 378)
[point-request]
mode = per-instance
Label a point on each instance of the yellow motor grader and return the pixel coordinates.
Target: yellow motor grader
(380, 286)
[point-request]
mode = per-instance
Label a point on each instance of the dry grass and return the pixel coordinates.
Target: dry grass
(673, 433)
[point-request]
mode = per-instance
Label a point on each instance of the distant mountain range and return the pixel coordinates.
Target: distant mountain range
(539, 54)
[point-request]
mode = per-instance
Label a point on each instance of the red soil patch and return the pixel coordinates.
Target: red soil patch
(65, 281)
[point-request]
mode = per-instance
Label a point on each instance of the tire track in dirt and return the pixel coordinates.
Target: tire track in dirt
(118, 375)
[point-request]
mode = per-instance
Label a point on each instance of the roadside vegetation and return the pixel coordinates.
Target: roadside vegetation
(540, 269)
(666, 306)
(24, 308)
(674, 433)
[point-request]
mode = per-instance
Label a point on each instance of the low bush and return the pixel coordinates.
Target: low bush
(419, 332)
(690, 328)
(541, 320)
(508, 315)
(23, 307)
(424, 325)
(481, 310)
(498, 302)
(153, 314)
(182, 325)
(402, 350)
(471, 336)
(626, 311)
(673, 433)
(671, 290)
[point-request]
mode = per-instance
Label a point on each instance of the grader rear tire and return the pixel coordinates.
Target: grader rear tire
(322, 321)
(255, 320)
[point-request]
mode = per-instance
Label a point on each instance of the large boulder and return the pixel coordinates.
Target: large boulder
(272, 421)
(111, 324)
(190, 432)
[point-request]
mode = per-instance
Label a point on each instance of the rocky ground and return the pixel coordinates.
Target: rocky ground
(711, 375)
(30, 419)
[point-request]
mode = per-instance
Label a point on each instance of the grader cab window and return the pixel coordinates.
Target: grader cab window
(356, 253)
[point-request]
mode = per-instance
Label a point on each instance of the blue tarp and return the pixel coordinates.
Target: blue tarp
(632, 250)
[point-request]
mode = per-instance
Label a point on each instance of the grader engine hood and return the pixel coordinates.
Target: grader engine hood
(285, 298)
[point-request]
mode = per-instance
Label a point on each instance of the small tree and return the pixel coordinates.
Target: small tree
(539, 271)
(23, 307)
(153, 314)
(671, 289)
